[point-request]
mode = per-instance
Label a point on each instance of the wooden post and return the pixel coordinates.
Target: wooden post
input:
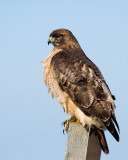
(81, 146)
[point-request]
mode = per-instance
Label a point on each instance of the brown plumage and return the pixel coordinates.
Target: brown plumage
(79, 86)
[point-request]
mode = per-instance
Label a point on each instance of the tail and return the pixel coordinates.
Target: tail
(102, 141)
(111, 127)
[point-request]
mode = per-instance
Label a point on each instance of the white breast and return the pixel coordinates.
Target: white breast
(50, 80)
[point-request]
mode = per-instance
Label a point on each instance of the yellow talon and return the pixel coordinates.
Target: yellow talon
(66, 123)
(77, 121)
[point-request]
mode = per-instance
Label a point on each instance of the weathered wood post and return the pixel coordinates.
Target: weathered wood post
(81, 146)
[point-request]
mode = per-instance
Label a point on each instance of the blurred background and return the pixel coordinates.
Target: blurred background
(30, 120)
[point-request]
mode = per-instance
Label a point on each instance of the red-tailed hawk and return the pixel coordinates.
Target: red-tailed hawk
(77, 83)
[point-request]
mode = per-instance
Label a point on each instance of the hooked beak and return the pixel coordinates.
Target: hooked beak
(50, 40)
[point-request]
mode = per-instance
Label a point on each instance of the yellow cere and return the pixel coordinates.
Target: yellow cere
(51, 38)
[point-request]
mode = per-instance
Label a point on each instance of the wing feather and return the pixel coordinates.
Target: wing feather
(85, 85)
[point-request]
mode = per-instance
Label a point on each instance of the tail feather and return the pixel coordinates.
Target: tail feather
(111, 128)
(102, 141)
(115, 121)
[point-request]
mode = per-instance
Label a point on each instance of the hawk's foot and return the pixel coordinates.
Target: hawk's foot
(66, 123)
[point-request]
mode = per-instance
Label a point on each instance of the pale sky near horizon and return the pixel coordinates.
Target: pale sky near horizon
(30, 120)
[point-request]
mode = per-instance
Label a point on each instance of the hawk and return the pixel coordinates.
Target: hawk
(77, 83)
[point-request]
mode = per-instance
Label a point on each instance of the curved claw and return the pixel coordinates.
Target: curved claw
(63, 123)
(65, 131)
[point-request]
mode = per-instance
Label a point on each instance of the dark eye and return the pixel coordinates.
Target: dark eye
(59, 35)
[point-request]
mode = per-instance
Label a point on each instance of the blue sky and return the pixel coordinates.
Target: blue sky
(30, 120)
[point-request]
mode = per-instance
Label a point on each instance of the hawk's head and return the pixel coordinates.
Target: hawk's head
(61, 36)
